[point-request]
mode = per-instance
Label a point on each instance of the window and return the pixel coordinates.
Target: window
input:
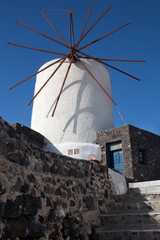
(76, 151)
(73, 151)
(142, 156)
(70, 151)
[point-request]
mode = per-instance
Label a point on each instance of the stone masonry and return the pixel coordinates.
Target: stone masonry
(44, 195)
(134, 140)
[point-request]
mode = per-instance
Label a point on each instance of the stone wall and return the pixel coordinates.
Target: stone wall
(150, 143)
(44, 195)
(133, 139)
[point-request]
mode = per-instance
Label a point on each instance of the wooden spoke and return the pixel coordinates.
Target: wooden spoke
(84, 27)
(54, 28)
(72, 30)
(70, 27)
(108, 65)
(47, 81)
(92, 26)
(59, 95)
(42, 34)
(97, 82)
(104, 36)
(40, 50)
(119, 60)
(36, 73)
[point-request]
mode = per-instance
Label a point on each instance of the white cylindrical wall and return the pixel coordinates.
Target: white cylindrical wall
(83, 107)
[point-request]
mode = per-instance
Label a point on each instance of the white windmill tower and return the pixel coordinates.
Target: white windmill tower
(73, 96)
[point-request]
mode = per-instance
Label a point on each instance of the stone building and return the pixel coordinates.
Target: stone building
(132, 151)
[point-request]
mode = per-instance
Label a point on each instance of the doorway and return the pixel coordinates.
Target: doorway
(115, 160)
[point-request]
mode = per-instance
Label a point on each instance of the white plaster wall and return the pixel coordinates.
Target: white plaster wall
(119, 182)
(83, 107)
(85, 149)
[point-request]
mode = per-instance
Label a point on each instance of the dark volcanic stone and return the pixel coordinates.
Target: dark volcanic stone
(72, 172)
(25, 188)
(25, 160)
(17, 227)
(48, 202)
(31, 178)
(6, 234)
(35, 229)
(54, 169)
(46, 167)
(89, 202)
(1, 210)
(52, 215)
(58, 191)
(72, 203)
(16, 156)
(2, 189)
(18, 185)
(106, 193)
(3, 147)
(23, 205)
(42, 195)
(11, 132)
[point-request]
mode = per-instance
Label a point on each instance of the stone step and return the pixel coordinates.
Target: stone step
(147, 190)
(148, 187)
(145, 234)
(144, 184)
(132, 195)
(121, 220)
(134, 206)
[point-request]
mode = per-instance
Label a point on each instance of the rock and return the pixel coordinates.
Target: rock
(11, 132)
(31, 178)
(58, 191)
(36, 229)
(2, 189)
(17, 187)
(25, 188)
(16, 157)
(23, 205)
(48, 202)
(89, 201)
(51, 215)
(17, 227)
(1, 210)
(25, 160)
(72, 172)
(46, 167)
(72, 203)
(3, 147)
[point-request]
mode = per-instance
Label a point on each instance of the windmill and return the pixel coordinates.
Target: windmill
(72, 97)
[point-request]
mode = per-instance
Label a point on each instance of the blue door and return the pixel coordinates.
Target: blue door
(117, 160)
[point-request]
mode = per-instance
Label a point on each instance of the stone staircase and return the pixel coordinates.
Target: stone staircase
(135, 216)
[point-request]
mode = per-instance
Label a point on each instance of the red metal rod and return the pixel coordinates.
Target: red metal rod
(92, 26)
(61, 88)
(109, 65)
(120, 60)
(36, 73)
(40, 50)
(105, 36)
(47, 81)
(97, 82)
(54, 28)
(84, 27)
(42, 34)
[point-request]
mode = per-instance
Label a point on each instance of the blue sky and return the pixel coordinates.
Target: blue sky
(138, 102)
